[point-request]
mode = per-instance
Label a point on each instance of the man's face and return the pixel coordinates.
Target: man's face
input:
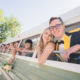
(11, 45)
(7, 46)
(3, 46)
(57, 32)
(27, 45)
(17, 44)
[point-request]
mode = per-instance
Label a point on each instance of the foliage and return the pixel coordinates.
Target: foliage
(10, 26)
(8, 66)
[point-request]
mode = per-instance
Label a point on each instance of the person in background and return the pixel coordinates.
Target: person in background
(3, 48)
(11, 46)
(7, 47)
(17, 43)
(0, 47)
(66, 41)
(14, 45)
(28, 46)
(45, 47)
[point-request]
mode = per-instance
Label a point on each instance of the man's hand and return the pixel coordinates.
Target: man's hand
(71, 50)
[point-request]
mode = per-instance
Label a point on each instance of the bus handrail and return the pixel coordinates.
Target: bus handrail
(55, 51)
(63, 51)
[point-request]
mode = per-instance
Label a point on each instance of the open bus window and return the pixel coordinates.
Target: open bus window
(3, 48)
(34, 40)
(75, 59)
(13, 45)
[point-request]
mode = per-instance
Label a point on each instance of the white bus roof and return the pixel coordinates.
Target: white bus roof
(70, 17)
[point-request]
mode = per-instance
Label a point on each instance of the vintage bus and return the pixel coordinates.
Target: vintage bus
(27, 68)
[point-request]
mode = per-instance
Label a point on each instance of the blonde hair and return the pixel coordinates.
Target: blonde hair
(41, 43)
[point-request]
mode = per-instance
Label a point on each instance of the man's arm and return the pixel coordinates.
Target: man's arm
(75, 46)
(73, 49)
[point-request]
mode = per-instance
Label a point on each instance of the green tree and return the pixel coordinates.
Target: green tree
(10, 26)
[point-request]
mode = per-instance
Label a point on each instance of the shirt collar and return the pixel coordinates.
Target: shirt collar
(61, 39)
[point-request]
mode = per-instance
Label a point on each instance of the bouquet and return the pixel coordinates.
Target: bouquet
(7, 66)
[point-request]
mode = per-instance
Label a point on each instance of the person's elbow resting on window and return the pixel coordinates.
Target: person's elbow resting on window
(42, 57)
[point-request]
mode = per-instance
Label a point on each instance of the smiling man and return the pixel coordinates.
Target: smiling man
(66, 41)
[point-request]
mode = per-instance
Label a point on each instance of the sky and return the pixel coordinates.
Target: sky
(32, 13)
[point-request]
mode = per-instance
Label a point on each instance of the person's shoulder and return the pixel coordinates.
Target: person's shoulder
(51, 43)
(75, 30)
(76, 34)
(68, 34)
(50, 46)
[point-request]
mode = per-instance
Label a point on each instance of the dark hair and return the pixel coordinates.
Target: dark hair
(17, 41)
(3, 44)
(53, 18)
(12, 43)
(7, 44)
(29, 41)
